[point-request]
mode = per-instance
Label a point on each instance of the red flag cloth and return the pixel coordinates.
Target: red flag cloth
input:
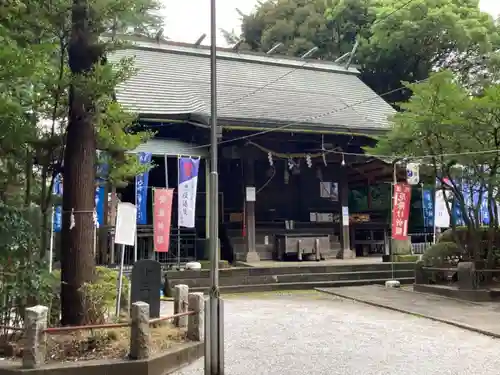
(400, 211)
(162, 218)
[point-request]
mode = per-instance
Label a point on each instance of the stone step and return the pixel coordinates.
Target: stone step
(298, 286)
(313, 267)
(292, 278)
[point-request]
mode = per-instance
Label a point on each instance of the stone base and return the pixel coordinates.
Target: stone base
(476, 295)
(346, 254)
(252, 256)
(392, 284)
(166, 362)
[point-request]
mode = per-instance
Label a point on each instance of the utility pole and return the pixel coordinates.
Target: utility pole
(214, 315)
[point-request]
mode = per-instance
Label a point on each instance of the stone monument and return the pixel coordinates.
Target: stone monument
(146, 285)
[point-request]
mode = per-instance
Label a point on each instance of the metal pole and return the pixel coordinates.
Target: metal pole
(120, 282)
(215, 343)
(51, 248)
(434, 228)
(136, 237)
(178, 214)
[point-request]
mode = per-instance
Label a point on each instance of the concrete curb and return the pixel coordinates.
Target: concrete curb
(409, 312)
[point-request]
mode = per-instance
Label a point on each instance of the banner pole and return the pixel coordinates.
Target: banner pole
(178, 214)
(136, 239)
(51, 246)
(216, 322)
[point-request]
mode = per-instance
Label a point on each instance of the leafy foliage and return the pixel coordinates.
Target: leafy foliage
(99, 295)
(398, 41)
(22, 279)
(457, 136)
(440, 253)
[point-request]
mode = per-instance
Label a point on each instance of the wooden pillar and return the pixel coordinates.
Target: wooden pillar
(345, 242)
(249, 195)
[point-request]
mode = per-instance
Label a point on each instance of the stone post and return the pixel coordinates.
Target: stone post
(420, 276)
(139, 331)
(196, 303)
(466, 275)
(181, 292)
(35, 338)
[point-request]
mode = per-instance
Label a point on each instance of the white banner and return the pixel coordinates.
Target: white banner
(188, 183)
(441, 214)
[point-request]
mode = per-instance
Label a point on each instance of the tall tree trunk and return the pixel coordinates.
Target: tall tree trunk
(77, 261)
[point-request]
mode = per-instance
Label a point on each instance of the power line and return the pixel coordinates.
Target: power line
(314, 117)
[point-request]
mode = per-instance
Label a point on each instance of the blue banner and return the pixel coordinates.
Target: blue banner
(57, 219)
(57, 187)
(485, 214)
(141, 190)
(100, 199)
(102, 165)
(428, 207)
(457, 214)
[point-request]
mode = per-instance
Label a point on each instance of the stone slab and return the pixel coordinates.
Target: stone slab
(479, 317)
(146, 285)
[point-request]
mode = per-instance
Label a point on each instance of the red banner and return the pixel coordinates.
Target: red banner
(162, 217)
(400, 211)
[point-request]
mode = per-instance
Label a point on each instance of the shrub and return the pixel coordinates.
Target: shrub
(22, 279)
(405, 258)
(440, 253)
(100, 295)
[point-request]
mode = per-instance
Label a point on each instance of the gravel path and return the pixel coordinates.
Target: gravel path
(316, 334)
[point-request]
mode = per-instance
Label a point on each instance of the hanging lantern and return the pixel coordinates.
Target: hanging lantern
(270, 158)
(413, 173)
(309, 161)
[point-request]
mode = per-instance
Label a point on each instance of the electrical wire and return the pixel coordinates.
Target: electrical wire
(311, 118)
(315, 117)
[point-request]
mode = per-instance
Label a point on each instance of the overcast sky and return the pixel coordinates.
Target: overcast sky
(186, 20)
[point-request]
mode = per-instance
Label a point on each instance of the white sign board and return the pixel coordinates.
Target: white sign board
(345, 216)
(441, 214)
(250, 194)
(126, 224)
(413, 173)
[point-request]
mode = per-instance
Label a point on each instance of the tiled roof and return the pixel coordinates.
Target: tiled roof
(252, 89)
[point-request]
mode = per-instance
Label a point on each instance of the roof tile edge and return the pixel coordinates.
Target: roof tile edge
(227, 53)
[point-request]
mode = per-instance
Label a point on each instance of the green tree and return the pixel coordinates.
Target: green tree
(57, 107)
(91, 104)
(398, 41)
(456, 136)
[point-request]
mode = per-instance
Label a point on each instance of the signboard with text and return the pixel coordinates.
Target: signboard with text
(401, 211)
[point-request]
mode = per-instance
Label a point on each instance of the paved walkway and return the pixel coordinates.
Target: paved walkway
(479, 317)
(315, 333)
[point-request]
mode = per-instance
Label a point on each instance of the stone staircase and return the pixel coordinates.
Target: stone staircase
(254, 279)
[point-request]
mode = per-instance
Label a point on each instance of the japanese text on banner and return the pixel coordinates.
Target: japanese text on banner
(401, 211)
(141, 189)
(162, 217)
(188, 182)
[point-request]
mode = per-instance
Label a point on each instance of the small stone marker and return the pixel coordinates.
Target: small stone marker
(146, 281)
(181, 292)
(35, 343)
(392, 284)
(139, 331)
(196, 326)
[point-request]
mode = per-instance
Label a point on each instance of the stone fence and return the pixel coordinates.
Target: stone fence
(466, 275)
(188, 313)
